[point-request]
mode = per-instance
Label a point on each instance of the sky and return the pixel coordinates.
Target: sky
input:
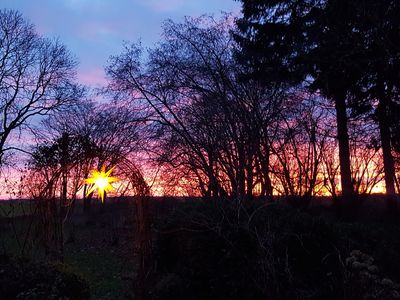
(95, 29)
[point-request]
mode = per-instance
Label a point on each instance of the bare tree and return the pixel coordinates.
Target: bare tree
(36, 77)
(208, 122)
(106, 134)
(73, 142)
(366, 156)
(302, 137)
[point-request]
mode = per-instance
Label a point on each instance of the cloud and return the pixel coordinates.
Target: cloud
(93, 29)
(92, 77)
(162, 6)
(83, 5)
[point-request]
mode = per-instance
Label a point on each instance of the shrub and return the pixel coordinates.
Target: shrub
(272, 251)
(22, 279)
(262, 251)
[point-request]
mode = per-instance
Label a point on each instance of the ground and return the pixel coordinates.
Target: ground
(294, 251)
(99, 247)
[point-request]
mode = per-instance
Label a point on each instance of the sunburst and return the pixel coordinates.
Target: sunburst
(101, 180)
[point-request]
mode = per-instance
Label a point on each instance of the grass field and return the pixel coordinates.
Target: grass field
(98, 247)
(16, 208)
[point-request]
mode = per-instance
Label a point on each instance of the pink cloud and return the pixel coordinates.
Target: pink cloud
(91, 30)
(93, 77)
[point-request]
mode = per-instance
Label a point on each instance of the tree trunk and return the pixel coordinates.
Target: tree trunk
(267, 184)
(241, 175)
(87, 202)
(250, 180)
(344, 154)
(143, 243)
(388, 163)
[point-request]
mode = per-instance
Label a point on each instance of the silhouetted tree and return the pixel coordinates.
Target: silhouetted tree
(347, 50)
(366, 157)
(107, 134)
(209, 124)
(303, 135)
(36, 76)
(293, 41)
(379, 24)
(52, 163)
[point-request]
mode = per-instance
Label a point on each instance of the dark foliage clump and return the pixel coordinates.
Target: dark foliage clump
(250, 253)
(21, 279)
(378, 239)
(261, 251)
(363, 275)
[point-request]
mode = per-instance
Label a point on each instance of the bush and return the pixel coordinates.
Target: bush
(21, 279)
(273, 251)
(262, 251)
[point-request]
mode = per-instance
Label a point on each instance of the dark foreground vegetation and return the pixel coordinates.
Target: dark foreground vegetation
(98, 249)
(272, 251)
(21, 279)
(211, 250)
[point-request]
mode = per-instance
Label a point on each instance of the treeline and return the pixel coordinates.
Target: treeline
(271, 107)
(296, 98)
(348, 52)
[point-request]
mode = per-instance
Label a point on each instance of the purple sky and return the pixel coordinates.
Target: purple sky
(95, 29)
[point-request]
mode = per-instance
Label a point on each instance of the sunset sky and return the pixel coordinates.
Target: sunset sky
(95, 29)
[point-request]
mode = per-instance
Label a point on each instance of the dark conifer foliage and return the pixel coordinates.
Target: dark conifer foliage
(346, 50)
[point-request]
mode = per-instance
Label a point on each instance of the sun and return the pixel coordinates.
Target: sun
(101, 181)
